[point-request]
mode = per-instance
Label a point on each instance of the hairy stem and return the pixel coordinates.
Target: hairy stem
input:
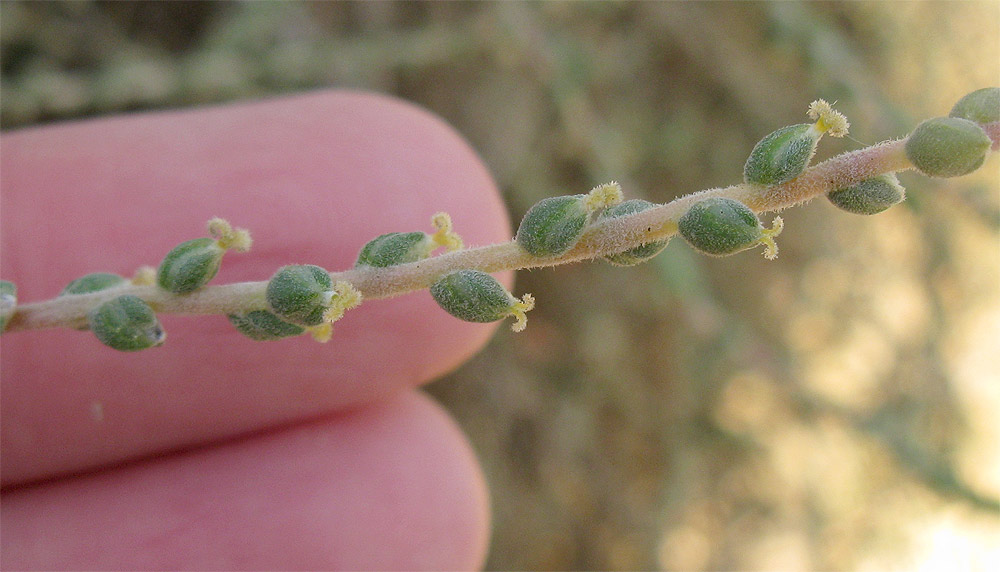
(602, 238)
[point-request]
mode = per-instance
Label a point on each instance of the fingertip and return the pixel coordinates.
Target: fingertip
(390, 486)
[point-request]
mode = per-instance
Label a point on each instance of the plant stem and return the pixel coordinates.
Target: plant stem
(602, 238)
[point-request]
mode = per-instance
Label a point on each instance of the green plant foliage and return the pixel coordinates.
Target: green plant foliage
(641, 253)
(8, 302)
(476, 296)
(190, 265)
(870, 196)
(981, 106)
(720, 226)
(553, 225)
(127, 324)
(947, 147)
(782, 155)
(395, 248)
(300, 293)
(262, 325)
(93, 282)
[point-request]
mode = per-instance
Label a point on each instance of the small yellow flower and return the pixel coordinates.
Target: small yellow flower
(828, 120)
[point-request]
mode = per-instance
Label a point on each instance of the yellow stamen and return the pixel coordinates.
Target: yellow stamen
(603, 196)
(445, 236)
(770, 246)
(321, 333)
(518, 310)
(144, 276)
(227, 237)
(828, 120)
(344, 297)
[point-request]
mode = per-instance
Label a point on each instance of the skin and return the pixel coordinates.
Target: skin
(215, 451)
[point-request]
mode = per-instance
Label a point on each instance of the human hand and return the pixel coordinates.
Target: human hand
(215, 451)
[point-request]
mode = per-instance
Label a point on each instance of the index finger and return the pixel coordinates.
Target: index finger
(313, 177)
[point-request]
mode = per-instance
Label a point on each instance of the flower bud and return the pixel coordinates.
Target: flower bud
(719, 226)
(640, 253)
(785, 153)
(191, 264)
(402, 247)
(394, 248)
(870, 196)
(300, 293)
(93, 282)
(554, 225)
(980, 106)
(305, 295)
(126, 323)
(262, 325)
(475, 296)
(8, 302)
(947, 147)
(781, 156)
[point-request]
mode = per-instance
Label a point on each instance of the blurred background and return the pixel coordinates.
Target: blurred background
(834, 409)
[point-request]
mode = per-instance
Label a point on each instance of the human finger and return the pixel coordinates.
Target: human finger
(313, 177)
(392, 485)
